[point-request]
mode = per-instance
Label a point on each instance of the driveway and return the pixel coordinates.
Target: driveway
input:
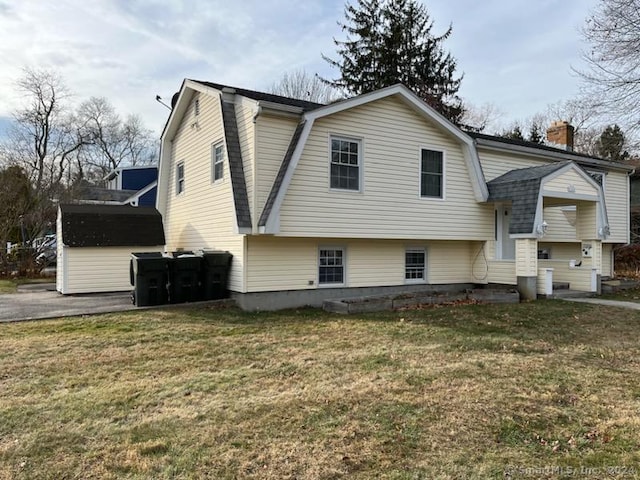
(42, 301)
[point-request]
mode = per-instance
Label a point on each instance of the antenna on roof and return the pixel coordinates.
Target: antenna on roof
(159, 100)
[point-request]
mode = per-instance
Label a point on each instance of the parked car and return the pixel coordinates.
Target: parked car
(46, 250)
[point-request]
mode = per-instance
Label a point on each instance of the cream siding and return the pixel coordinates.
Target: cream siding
(203, 216)
(502, 271)
(273, 135)
(526, 257)
(495, 164)
(570, 180)
(559, 224)
(607, 260)
(278, 263)
(60, 256)
(246, 133)
(389, 204)
(98, 269)
(616, 193)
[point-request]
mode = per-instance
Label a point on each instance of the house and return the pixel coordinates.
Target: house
(130, 185)
(379, 194)
(95, 243)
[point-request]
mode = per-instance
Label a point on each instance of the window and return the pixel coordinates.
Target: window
(414, 265)
(180, 178)
(196, 107)
(432, 174)
(217, 161)
(331, 266)
(345, 163)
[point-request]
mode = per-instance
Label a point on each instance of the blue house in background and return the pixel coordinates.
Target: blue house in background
(140, 182)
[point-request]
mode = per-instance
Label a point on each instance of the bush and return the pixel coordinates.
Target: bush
(627, 260)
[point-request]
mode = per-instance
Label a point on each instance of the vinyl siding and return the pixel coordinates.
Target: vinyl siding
(98, 269)
(246, 133)
(273, 137)
(569, 179)
(607, 257)
(616, 189)
(203, 216)
(389, 204)
(278, 263)
(502, 271)
(559, 224)
(616, 192)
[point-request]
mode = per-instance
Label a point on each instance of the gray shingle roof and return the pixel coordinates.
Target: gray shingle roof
(236, 168)
(522, 188)
(277, 184)
(267, 97)
(111, 226)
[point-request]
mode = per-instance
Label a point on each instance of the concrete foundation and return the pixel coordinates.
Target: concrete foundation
(528, 288)
(315, 297)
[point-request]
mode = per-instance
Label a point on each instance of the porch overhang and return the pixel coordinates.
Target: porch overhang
(528, 189)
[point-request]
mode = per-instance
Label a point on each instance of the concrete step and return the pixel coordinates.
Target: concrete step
(566, 293)
(560, 286)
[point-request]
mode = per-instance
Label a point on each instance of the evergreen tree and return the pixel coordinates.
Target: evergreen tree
(611, 144)
(389, 42)
(536, 134)
(514, 134)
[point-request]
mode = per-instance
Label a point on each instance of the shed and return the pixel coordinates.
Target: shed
(95, 243)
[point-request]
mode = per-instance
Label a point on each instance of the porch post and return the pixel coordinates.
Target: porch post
(527, 267)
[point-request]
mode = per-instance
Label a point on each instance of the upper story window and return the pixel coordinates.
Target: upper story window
(432, 174)
(196, 107)
(180, 178)
(346, 163)
(217, 161)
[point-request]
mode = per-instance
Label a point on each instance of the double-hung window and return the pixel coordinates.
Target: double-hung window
(180, 178)
(415, 265)
(346, 162)
(217, 161)
(331, 266)
(432, 173)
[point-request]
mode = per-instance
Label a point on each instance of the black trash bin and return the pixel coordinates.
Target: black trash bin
(184, 277)
(148, 275)
(215, 275)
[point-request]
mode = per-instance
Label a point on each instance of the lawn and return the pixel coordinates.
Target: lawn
(541, 390)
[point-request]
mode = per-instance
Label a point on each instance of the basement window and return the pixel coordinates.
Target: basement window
(331, 266)
(415, 265)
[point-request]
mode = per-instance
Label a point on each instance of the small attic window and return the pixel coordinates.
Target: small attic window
(196, 107)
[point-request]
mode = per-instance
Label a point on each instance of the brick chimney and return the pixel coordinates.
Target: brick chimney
(561, 135)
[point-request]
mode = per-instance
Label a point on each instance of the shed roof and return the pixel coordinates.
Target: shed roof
(111, 226)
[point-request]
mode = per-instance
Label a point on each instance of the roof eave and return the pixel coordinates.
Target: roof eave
(499, 146)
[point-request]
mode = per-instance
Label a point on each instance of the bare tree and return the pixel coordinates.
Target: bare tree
(483, 117)
(44, 136)
(303, 86)
(612, 73)
(112, 142)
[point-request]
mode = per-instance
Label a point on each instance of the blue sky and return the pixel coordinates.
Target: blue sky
(516, 54)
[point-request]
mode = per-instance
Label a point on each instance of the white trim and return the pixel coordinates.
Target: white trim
(425, 270)
(136, 196)
(443, 197)
(214, 146)
(343, 248)
(351, 139)
(499, 216)
(478, 182)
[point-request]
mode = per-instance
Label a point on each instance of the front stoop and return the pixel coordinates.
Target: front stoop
(567, 293)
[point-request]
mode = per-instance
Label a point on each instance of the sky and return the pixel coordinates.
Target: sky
(515, 54)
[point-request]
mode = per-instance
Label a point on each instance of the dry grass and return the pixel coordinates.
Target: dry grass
(454, 392)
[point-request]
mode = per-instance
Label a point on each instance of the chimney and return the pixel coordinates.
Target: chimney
(561, 135)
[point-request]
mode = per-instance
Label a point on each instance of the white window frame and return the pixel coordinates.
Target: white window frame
(360, 142)
(444, 173)
(215, 161)
(180, 178)
(344, 266)
(423, 251)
